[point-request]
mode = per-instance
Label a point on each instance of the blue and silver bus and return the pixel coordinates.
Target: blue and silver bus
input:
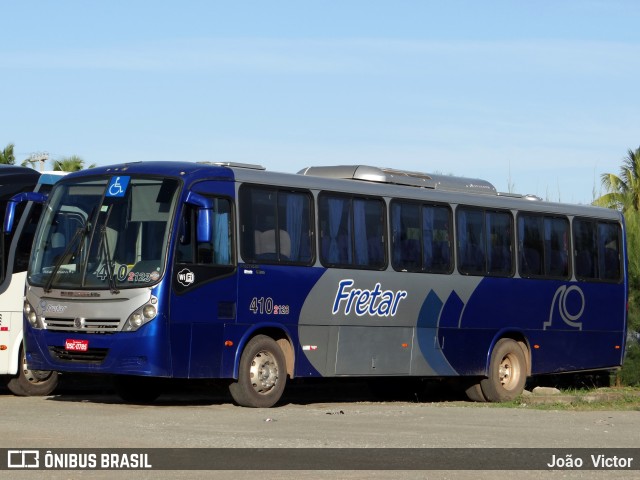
(229, 271)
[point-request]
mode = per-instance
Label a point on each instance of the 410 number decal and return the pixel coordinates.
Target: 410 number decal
(264, 305)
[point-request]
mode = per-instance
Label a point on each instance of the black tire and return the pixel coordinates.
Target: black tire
(507, 372)
(32, 383)
(138, 390)
(474, 393)
(262, 374)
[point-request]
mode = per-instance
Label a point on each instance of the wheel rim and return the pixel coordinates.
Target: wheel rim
(509, 372)
(263, 372)
(34, 376)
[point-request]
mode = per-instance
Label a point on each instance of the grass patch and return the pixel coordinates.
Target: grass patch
(601, 399)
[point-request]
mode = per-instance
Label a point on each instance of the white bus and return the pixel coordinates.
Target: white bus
(15, 249)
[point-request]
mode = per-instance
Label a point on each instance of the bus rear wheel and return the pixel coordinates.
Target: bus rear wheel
(28, 383)
(507, 372)
(262, 374)
(474, 393)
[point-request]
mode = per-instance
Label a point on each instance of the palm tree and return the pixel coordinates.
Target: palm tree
(6, 156)
(69, 164)
(624, 189)
(624, 195)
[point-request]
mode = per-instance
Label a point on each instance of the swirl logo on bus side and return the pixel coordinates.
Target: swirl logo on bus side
(376, 302)
(559, 305)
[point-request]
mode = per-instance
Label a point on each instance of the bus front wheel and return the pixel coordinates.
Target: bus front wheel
(507, 372)
(29, 382)
(262, 374)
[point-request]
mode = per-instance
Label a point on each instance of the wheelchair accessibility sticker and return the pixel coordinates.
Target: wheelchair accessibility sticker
(117, 186)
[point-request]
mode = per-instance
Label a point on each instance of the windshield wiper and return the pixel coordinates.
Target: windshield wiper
(78, 236)
(104, 243)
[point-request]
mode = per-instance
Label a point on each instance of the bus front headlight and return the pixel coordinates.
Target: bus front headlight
(142, 315)
(31, 315)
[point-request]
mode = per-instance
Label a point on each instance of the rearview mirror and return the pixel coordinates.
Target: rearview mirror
(12, 204)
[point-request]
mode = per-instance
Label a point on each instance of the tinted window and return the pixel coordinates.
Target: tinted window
(484, 242)
(217, 249)
(276, 225)
(543, 244)
(597, 250)
(421, 237)
(351, 231)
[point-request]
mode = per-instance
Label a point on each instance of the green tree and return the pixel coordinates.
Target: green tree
(623, 190)
(7, 156)
(623, 193)
(69, 164)
(632, 222)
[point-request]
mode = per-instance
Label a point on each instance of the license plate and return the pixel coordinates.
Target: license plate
(76, 345)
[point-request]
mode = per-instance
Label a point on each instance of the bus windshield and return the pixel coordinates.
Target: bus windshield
(106, 233)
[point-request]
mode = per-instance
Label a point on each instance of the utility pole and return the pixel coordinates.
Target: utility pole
(39, 158)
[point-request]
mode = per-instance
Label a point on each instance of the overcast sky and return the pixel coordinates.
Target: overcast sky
(539, 95)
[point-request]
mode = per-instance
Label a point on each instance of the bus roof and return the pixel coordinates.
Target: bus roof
(14, 171)
(15, 179)
(403, 177)
(359, 179)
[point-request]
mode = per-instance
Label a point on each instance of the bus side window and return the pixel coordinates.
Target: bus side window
(351, 231)
(597, 250)
(218, 250)
(334, 218)
(498, 227)
(420, 237)
(531, 249)
(556, 241)
(584, 233)
(471, 235)
(609, 251)
(276, 225)
(484, 242)
(543, 246)
(405, 224)
(368, 221)
(294, 227)
(436, 229)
